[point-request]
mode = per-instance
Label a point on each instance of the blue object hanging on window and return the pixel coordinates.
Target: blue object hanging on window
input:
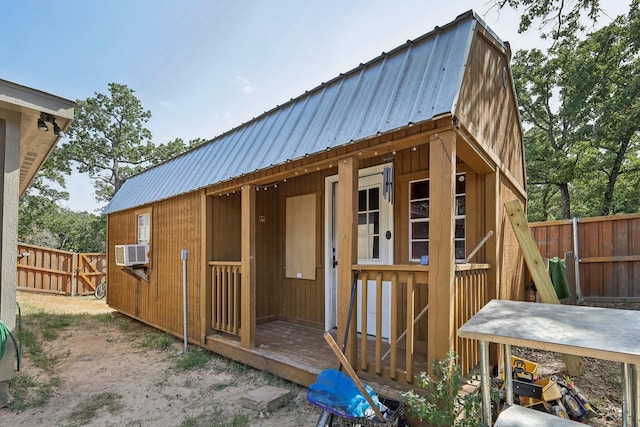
(336, 392)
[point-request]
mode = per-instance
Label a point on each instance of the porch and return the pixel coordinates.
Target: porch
(298, 352)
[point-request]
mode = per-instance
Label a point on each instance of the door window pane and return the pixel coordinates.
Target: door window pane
(369, 223)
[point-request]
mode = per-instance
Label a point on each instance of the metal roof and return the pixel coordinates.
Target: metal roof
(411, 84)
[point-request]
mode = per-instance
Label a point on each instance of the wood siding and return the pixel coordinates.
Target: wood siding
(175, 226)
(488, 110)
(608, 251)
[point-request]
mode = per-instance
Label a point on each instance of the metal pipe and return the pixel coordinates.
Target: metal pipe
(507, 374)
(184, 254)
(576, 256)
(485, 382)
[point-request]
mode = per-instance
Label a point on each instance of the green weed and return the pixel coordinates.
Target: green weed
(28, 393)
(157, 341)
(87, 409)
(441, 404)
(216, 417)
(195, 358)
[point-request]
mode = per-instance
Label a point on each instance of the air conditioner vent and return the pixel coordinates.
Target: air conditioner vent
(130, 255)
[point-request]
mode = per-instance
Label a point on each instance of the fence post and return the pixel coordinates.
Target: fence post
(576, 255)
(74, 263)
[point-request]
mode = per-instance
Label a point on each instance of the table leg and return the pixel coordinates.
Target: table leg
(507, 374)
(630, 395)
(635, 380)
(627, 407)
(485, 383)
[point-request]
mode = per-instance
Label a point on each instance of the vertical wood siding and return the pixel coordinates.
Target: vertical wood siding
(175, 226)
(609, 252)
(489, 110)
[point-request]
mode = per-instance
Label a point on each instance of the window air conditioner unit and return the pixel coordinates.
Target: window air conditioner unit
(129, 255)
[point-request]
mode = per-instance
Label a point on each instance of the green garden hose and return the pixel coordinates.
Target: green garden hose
(5, 334)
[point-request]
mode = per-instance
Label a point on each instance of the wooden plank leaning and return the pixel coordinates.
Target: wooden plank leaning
(347, 367)
(539, 274)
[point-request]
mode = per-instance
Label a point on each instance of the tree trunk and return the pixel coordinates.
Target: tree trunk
(565, 200)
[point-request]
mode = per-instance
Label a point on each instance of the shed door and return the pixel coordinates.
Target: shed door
(375, 246)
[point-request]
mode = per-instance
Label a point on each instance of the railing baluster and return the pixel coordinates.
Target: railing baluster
(393, 338)
(410, 327)
(379, 323)
(364, 294)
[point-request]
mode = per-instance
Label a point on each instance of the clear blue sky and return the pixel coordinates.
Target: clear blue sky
(203, 67)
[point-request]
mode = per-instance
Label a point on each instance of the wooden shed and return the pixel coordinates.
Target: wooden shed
(395, 170)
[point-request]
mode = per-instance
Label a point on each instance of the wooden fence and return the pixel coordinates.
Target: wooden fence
(55, 271)
(607, 253)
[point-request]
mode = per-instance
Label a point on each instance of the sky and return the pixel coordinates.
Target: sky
(203, 67)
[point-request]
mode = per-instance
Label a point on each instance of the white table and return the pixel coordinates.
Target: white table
(601, 333)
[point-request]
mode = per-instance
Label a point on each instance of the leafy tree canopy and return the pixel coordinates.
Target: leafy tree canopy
(563, 17)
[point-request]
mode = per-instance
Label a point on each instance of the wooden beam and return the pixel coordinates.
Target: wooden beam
(442, 185)
(248, 271)
(206, 251)
(493, 221)
(536, 266)
(347, 248)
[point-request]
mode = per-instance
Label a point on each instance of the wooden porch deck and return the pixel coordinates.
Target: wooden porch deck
(298, 353)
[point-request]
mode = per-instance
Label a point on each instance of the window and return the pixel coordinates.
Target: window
(419, 218)
(144, 227)
(369, 223)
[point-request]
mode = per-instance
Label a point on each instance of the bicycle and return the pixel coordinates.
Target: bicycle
(101, 289)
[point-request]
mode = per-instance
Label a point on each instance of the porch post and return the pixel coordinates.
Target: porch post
(206, 254)
(442, 185)
(248, 272)
(347, 249)
(494, 214)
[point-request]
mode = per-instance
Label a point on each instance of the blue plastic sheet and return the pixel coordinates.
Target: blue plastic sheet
(336, 392)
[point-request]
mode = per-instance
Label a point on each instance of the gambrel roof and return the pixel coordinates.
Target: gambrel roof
(411, 84)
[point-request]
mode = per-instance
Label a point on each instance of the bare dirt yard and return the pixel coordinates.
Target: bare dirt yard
(89, 365)
(105, 369)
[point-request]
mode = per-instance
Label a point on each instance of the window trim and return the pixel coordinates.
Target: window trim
(138, 214)
(420, 220)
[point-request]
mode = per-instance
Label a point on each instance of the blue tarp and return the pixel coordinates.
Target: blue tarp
(336, 392)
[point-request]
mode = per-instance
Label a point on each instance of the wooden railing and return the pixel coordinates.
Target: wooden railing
(389, 358)
(396, 356)
(225, 296)
(472, 294)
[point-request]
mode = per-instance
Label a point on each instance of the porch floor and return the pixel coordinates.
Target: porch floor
(298, 353)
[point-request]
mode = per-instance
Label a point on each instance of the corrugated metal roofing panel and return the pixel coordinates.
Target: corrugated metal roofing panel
(411, 84)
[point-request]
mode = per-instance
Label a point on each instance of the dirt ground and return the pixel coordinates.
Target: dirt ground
(146, 389)
(142, 383)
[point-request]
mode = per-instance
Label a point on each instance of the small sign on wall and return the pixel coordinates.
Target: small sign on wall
(300, 240)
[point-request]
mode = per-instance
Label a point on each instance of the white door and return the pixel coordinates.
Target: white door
(375, 246)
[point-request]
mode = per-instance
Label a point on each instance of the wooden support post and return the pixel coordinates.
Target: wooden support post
(494, 216)
(206, 254)
(442, 185)
(539, 274)
(347, 248)
(248, 275)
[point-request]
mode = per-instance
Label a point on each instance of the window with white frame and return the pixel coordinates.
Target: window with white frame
(144, 227)
(419, 218)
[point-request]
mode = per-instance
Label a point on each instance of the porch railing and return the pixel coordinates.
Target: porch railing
(396, 357)
(392, 357)
(225, 296)
(472, 293)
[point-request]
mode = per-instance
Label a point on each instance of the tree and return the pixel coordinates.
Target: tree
(551, 140)
(564, 17)
(605, 72)
(108, 139)
(581, 105)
